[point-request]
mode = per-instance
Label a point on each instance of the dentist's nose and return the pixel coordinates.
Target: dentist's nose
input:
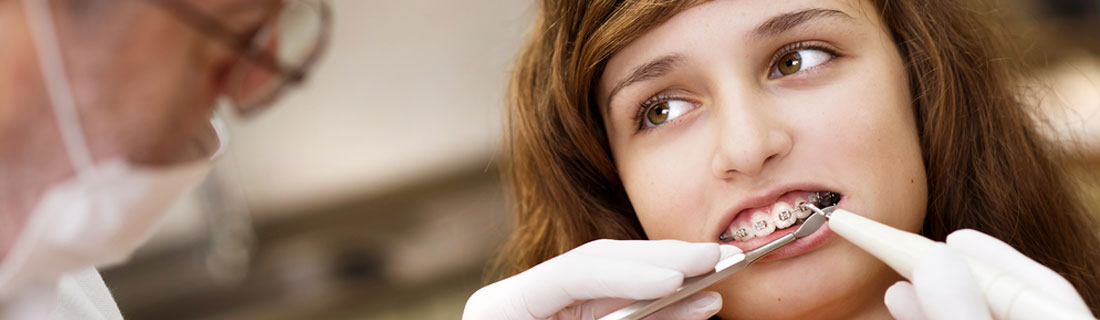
(749, 138)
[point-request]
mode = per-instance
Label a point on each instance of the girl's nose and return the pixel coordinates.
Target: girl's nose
(750, 136)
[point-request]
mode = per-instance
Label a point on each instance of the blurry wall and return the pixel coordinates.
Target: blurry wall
(408, 90)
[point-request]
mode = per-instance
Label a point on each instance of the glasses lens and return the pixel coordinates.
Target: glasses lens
(281, 53)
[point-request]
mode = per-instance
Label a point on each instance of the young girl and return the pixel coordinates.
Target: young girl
(708, 122)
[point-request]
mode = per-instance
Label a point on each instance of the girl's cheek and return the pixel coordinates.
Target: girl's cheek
(667, 200)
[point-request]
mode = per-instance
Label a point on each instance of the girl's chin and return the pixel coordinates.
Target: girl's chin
(817, 284)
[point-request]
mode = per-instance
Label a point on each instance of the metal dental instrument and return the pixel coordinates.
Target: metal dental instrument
(1007, 298)
(644, 308)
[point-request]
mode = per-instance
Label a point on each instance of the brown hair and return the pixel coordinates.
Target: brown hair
(980, 145)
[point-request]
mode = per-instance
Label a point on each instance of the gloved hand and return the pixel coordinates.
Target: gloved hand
(602, 276)
(943, 288)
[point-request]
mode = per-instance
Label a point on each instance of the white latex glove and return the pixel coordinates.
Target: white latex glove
(943, 288)
(602, 276)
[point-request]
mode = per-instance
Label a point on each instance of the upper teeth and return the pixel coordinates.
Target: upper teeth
(784, 218)
(762, 223)
(801, 211)
(781, 216)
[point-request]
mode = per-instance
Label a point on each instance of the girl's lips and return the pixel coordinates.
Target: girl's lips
(742, 210)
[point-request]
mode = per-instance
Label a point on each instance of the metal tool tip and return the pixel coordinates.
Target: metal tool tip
(812, 223)
(827, 211)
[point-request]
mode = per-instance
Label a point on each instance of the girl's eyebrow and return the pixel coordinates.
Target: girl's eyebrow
(782, 23)
(653, 69)
(774, 26)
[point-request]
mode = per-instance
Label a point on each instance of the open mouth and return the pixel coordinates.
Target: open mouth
(788, 212)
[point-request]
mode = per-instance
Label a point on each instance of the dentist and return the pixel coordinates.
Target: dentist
(105, 119)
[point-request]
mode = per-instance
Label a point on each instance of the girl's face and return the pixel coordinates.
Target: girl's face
(732, 112)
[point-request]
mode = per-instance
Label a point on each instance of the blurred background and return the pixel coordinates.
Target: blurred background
(373, 193)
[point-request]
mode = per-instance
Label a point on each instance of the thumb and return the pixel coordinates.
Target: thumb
(945, 288)
(901, 300)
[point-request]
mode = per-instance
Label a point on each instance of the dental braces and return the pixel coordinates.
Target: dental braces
(820, 198)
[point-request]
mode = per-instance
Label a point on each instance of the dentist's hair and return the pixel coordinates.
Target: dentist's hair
(988, 169)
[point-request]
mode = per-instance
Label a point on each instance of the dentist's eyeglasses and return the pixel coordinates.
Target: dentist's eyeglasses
(276, 57)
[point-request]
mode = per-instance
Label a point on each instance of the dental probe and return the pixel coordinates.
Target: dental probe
(724, 269)
(1007, 298)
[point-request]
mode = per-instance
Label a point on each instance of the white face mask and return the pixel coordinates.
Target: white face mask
(103, 213)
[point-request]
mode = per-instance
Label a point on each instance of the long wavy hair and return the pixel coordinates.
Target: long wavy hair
(980, 143)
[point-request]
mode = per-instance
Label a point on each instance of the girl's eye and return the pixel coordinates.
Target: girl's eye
(663, 111)
(799, 60)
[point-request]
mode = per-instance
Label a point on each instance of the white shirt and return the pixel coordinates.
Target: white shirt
(78, 295)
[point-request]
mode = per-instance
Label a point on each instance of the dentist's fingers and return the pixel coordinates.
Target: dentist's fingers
(994, 252)
(901, 300)
(548, 288)
(594, 274)
(594, 309)
(635, 270)
(593, 277)
(687, 257)
(699, 306)
(945, 287)
(728, 251)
